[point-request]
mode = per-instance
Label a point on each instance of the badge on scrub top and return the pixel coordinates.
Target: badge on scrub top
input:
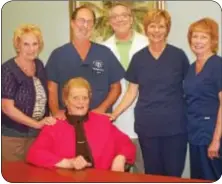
(98, 67)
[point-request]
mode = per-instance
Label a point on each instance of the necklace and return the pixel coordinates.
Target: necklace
(28, 68)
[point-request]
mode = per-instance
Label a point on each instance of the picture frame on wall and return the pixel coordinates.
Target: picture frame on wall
(102, 29)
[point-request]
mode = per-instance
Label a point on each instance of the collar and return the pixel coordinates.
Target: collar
(74, 119)
(117, 41)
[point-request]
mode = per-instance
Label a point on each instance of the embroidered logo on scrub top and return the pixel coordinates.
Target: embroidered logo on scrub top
(98, 67)
(206, 117)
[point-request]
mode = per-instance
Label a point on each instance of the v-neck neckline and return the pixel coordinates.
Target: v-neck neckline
(203, 68)
(160, 56)
(83, 61)
(22, 72)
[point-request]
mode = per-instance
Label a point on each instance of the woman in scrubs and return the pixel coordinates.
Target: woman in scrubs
(203, 89)
(157, 72)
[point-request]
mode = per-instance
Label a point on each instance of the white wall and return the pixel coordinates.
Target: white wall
(184, 13)
(51, 16)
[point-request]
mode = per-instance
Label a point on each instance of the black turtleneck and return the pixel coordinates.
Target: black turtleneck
(82, 147)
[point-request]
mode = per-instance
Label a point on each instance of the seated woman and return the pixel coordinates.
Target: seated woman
(84, 139)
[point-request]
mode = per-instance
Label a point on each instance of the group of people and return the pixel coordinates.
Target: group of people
(133, 101)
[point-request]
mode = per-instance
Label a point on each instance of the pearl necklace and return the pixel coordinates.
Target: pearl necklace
(28, 70)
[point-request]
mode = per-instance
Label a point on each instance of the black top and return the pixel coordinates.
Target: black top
(82, 146)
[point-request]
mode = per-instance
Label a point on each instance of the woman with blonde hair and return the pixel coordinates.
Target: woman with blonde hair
(85, 139)
(24, 94)
(156, 73)
(203, 90)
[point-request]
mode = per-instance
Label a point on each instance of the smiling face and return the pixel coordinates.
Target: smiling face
(157, 31)
(120, 19)
(77, 101)
(28, 46)
(201, 43)
(82, 25)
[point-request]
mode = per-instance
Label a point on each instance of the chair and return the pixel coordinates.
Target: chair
(127, 167)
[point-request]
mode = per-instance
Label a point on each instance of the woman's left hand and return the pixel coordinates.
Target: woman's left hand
(213, 149)
(118, 163)
(50, 120)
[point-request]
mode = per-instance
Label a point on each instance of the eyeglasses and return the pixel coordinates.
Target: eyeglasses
(123, 16)
(82, 21)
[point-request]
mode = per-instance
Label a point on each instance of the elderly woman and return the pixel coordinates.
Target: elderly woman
(203, 89)
(84, 139)
(157, 73)
(23, 94)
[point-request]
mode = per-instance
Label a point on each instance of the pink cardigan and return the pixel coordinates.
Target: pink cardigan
(57, 142)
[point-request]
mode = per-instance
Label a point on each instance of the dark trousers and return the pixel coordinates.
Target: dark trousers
(201, 166)
(164, 155)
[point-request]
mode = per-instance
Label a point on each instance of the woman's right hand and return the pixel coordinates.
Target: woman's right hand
(112, 117)
(79, 163)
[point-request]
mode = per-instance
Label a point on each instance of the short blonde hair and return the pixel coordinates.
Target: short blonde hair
(25, 29)
(154, 16)
(206, 25)
(77, 82)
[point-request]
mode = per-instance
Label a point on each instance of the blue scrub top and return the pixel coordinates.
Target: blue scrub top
(160, 107)
(202, 99)
(101, 68)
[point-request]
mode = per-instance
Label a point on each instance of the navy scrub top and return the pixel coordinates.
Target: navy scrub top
(160, 107)
(201, 91)
(101, 68)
